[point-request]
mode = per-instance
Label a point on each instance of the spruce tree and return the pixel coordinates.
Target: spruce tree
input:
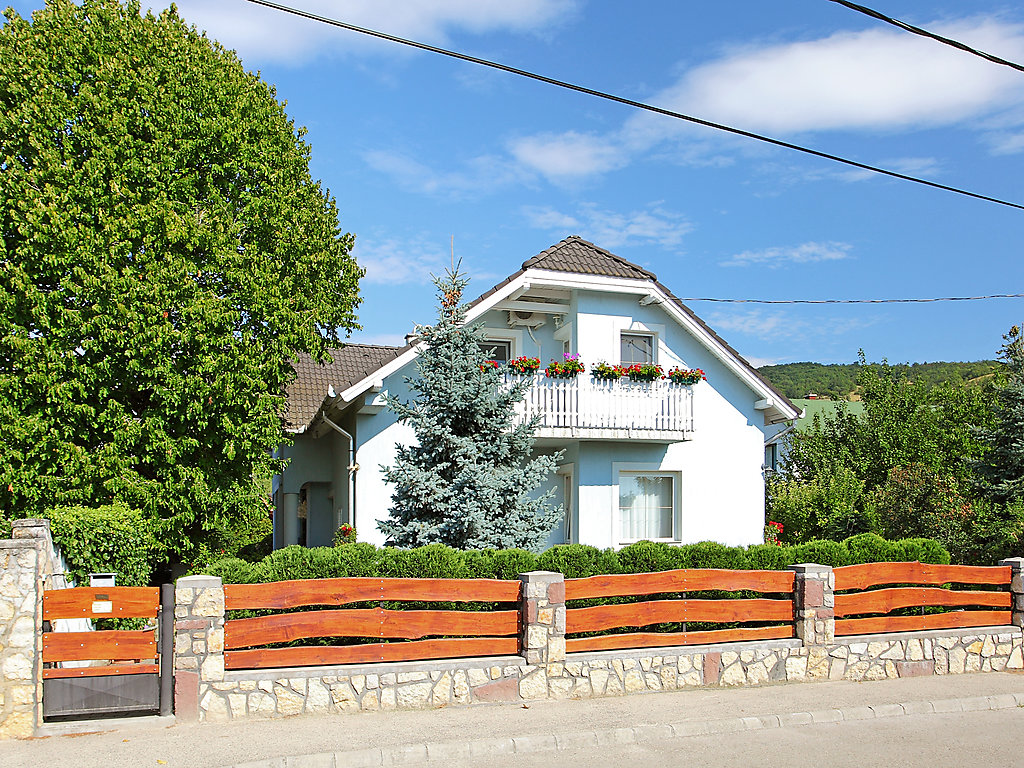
(1001, 470)
(470, 482)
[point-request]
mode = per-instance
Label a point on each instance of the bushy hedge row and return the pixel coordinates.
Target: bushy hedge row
(573, 560)
(111, 539)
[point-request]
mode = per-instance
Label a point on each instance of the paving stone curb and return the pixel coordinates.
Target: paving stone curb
(417, 754)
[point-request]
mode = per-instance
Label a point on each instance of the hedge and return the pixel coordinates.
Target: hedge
(110, 539)
(573, 560)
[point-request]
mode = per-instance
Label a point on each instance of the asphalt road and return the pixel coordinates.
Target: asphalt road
(958, 740)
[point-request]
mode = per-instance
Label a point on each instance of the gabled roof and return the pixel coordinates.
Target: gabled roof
(313, 381)
(358, 364)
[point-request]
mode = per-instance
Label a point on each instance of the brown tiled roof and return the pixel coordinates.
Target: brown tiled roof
(574, 254)
(308, 390)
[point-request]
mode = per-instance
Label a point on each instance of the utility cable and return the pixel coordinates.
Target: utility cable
(628, 102)
(925, 33)
(860, 301)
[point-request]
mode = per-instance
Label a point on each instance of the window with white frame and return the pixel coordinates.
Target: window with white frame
(498, 350)
(647, 506)
(636, 348)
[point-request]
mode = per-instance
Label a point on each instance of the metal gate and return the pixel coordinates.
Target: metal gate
(126, 671)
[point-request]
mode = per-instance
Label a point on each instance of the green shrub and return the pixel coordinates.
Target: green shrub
(921, 550)
(769, 557)
(578, 561)
(822, 552)
(111, 539)
(870, 548)
(647, 557)
(711, 554)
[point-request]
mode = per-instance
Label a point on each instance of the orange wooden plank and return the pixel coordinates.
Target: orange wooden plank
(658, 639)
(78, 603)
(654, 612)
(110, 669)
(307, 592)
(684, 580)
(885, 600)
(117, 645)
(367, 622)
(447, 648)
(951, 620)
(873, 574)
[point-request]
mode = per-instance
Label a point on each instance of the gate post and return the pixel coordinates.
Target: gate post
(25, 563)
(1016, 589)
(198, 641)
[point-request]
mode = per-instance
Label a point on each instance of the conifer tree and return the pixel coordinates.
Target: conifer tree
(1001, 470)
(470, 481)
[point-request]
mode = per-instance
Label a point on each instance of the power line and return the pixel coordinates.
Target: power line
(628, 102)
(860, 301)
(925, 33)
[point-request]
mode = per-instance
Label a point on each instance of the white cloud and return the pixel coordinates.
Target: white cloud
(779, 256)
(568, 155)
(613, 229)
(1007, 143)
(872, 79)
(781, 325)
(478, 174)
(266, 34)
(392, 261)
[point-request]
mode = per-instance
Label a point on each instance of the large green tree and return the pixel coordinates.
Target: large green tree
(164, 253)
(470, 480)
(1001, 469)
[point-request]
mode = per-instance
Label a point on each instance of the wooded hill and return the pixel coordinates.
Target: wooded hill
(838, 381)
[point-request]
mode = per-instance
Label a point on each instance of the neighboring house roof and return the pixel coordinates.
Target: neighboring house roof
(313, 382)
(572, 255)
(824, 408)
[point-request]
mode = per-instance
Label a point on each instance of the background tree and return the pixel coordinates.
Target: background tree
(1001, 470)
(470, 482)
(164, 253)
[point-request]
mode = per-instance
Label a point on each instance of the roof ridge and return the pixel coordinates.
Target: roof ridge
(536, 261)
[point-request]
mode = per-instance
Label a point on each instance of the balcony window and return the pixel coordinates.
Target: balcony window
(636, 348)
(647, 506)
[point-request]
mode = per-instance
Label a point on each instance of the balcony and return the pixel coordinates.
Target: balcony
(586, 408)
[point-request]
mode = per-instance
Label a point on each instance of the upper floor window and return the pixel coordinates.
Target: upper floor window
(499, 351)
(636, 348)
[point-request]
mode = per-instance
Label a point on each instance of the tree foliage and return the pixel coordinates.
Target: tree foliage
(839, 380)
(1001, 470)
(164, 253)
(470, 481)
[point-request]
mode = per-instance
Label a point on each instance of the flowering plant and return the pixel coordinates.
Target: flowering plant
(607, 372)
(346, 534)
(772, 531)
(488, 365)
(569, 369)
(687, 375)
(644, 372)
(523, 365)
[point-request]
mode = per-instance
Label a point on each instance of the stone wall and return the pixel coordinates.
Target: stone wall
(545, 671)
(25, 564)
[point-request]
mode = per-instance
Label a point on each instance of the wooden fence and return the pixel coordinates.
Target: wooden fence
(479, 632)
(124, 652)
(970, 605)
(774, 615)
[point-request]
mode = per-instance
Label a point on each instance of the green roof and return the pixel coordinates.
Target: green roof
(825, 408)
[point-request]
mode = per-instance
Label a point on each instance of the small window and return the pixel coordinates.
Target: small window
(499, 351)
(647, 506)
(636, 348)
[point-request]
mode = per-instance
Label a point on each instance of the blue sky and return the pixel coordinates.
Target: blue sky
(418, 149)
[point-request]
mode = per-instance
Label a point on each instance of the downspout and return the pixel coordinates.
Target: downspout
(352, 468)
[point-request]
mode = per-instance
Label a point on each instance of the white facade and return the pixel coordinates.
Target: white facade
(658, 461)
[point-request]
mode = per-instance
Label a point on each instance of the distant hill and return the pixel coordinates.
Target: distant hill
(839, 381)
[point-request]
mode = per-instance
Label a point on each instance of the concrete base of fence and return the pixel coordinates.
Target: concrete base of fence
(432, 684)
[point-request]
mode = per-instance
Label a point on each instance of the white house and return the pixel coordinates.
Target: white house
(658, 461)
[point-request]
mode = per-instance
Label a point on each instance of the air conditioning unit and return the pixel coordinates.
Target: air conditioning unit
(530, 319)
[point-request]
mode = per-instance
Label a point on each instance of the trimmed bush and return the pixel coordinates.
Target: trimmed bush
(111, 539)
(573, 560)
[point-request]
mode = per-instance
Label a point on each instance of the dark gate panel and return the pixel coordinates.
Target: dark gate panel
(100, 695)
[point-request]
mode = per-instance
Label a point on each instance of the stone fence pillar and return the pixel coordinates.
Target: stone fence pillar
(814, 603)
(1016, 588)
(542, 608)
(25, 564)
(198, 641)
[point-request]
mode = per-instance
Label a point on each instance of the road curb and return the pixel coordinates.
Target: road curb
(413, 754)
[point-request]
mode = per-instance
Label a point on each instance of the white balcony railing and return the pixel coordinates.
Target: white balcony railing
(574, 407)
